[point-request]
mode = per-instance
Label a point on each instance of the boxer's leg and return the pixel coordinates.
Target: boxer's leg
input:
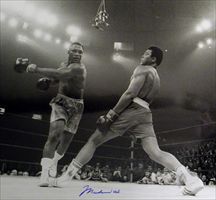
(56, 129)
(65, 141)
(70, 130)
(150, 146)
(85, 155)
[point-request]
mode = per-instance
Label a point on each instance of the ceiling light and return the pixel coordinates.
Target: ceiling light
(13, 22)
(73, 30)
(200, 45)
(37, 33)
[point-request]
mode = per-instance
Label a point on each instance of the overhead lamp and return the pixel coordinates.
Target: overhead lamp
(38, 33)
(13, 22)
(200, 45)
(73, 30)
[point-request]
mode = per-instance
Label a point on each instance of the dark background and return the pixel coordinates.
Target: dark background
(169, 24)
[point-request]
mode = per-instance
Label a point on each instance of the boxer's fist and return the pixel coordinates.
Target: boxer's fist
(21, 65)
(43, 83)
(104, 122)
(32, 68)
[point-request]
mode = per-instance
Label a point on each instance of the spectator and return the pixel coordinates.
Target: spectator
(167, 178)
(159, 177)
(20, 173)
(96, 174)
(117, 174)
(204, 179)
(78, 175)
(139, 172)
(146, 179)
(106, 173)
(86, 173)
(154, 177)
(64, 169)
(126, 174)
(13, 172)
(212, 181)
(25, 174)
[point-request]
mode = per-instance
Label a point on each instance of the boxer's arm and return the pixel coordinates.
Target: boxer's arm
(52, 73)
(59, 74)
(54, 81)
(104, 122)
(132, 92)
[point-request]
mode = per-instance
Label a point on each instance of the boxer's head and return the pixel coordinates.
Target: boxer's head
(75, 53)
(147, 174)
(152, 56)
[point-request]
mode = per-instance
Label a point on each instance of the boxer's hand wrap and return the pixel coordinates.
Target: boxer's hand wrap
(21, 65)
(104, 122)
(32, 68)
(43, 83)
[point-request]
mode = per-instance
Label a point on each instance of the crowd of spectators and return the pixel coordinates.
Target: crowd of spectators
(198, 157)
(101, 173)
(14, 172)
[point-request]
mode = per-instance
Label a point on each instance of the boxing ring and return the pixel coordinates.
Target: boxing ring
(25, 188)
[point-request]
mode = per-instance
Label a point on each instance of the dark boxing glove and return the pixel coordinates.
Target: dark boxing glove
(43, 83)
(21, 65)
(104, 122)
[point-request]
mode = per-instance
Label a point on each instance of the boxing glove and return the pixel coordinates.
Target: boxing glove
(104, 122)
(43, 83)
(21, 65)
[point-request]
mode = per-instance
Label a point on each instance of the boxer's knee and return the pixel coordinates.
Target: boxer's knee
(95, 140)
(152, 149)
(155, 154)
(57, 127)
(50, 146)
(54, 136)
(54, 139)
(65, 140)
(67, 137)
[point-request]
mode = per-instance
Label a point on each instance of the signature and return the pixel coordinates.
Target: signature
(88, 189)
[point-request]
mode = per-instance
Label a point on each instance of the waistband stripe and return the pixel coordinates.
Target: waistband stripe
(141, 102)
(69, 98)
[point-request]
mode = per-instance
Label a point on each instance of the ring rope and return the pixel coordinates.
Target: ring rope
(21, 162)
(185, 128)
(158, 132)
(69, 153)
(43, 135)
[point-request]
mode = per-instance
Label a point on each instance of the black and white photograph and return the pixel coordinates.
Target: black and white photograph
(108, 99)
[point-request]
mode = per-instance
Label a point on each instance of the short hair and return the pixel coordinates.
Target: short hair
(157, 53)
(77, 43)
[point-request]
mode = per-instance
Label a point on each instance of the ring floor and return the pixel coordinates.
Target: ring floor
(25, 188)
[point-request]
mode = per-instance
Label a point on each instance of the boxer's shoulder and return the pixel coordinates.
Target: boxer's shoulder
(77, 68)
(76, 65)
(63, 64)
(144, 70)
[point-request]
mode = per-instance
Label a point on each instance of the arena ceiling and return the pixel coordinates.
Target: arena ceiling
(169, 24)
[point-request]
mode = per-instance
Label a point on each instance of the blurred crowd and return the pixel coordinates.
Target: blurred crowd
(101, 173)
(200, 159)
